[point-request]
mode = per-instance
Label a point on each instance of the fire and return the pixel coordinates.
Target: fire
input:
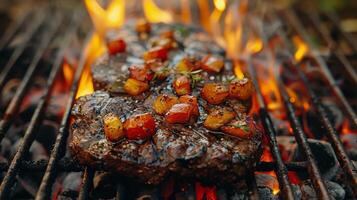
(238, 69)
(103, 20)
(203, 192)
(68, 72)
(220, 4)
(254, 45)
(301, 48)
(346, 129)
(185, 11)
(203, 6)
(112, 17)
(154, 14)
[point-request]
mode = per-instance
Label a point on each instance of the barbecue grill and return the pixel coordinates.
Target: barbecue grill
(48, 36)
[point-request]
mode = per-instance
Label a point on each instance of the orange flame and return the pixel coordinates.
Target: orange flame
(238, 65)
(301, 48)
(103, 20)
(220, 6)
(185, 11)
(254, 45)
(346, 128)
(154, 14)
(68, 73)
(203, 6)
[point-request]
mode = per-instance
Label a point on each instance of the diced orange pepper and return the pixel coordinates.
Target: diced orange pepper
(236, 128)
(182, 85)
(188, 65)
(140, 73)
(179, 113)
(191, 100)
(116, 46)
(241, 89)
(212, 64)
(135, 87)
(218, 117)
(113, 128)
(214, 93)
(143, 26)
(163, 103)
(139, 126)
(160, 53)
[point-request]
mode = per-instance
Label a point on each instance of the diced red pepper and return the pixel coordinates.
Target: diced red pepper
(179, 113)
(135, 87)
(239, 129)
(241, 89)
(160, 53)
(214, 93)
(141, 73)
(139, 126)
(163, 103)
(182, 85)
(212, 64)
(191, 100)
(116, 46)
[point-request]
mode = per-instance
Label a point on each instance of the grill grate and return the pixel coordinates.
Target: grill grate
(58, 163)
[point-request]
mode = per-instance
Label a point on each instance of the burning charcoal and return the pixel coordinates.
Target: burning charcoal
(72, 181)
(104, 185)
(5, 148)
(266, 193)
(350, 143)
(68, 195)
(324, 155)
(287, 145)
(36, 152)
(334, 189)
(46, 134)
(334, 114)
(267, 181)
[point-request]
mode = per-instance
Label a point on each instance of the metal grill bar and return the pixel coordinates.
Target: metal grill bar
(291, 16)
(280, 169)
(69, 165)
(10, 32)
(87, 183)
(301, 139)
(30, 133)
(337, 51)
(38, 20)
(15, 103)
(56, 153)
(341, 155)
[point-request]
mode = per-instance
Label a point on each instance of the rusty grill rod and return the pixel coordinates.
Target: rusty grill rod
(292, 18)
(301, 139)
(337, 50)
(280, 168)
(341, 155)
(87, 183)
(15, 103)
(60, 144)
(30, 133)
(37, 21)
(11, 30)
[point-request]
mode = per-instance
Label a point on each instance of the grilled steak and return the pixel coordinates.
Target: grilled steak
(144, 122)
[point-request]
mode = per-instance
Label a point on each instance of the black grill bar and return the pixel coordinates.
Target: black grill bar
(10, 31)
(87, 183)
(15, 103)
(332, 134)
(301, 139)
(337, 51)
(292, 18)
(280, 168)
(37, 21)
(345, 162)
(70, 165)
(60, 144)
(30, 131)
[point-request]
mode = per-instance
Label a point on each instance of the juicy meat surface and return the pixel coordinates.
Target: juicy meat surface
(188, 150)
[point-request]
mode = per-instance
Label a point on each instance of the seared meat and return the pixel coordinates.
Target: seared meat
(180, 144)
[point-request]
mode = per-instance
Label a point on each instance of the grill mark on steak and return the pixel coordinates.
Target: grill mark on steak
(187, 150)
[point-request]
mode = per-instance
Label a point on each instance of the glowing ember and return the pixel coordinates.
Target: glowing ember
(203, 192)
(301, 48)
(346, 128)
(154, 14)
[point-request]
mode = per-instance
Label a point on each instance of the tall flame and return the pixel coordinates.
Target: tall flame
(203, 6)
(301, 48)
(154, 14)
(103, 20)
(185, 11)
(220, 6)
